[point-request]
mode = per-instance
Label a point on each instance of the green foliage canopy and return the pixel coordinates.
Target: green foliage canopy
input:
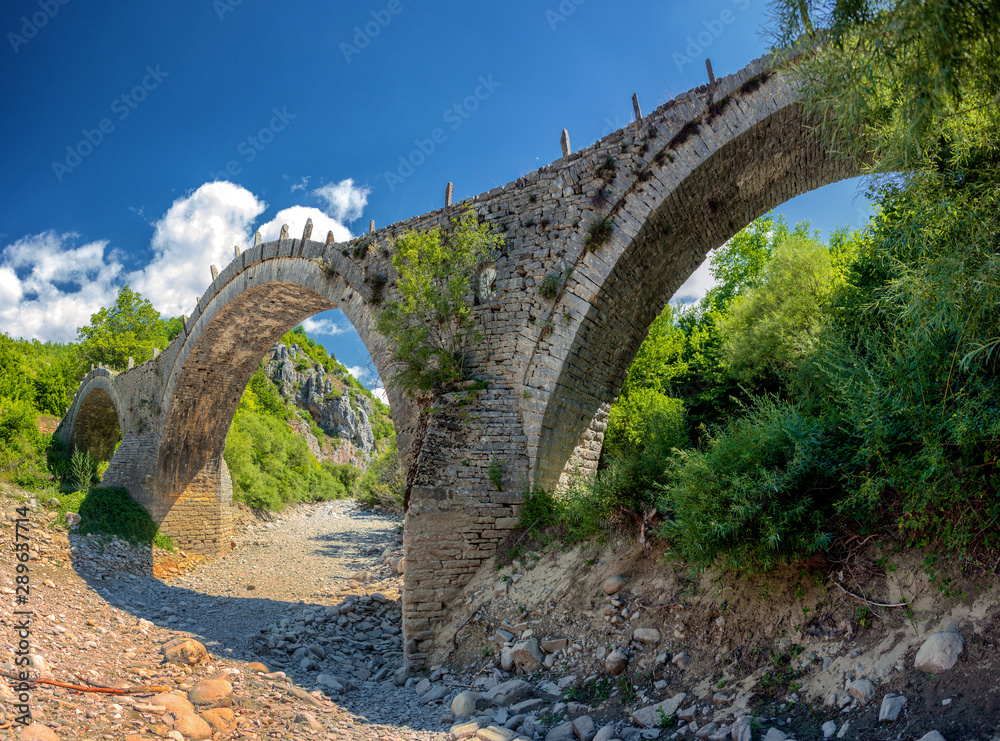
(904, 80)
(130, 327)
(774, 325)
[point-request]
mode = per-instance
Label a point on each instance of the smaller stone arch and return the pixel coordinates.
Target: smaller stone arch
(94, 423)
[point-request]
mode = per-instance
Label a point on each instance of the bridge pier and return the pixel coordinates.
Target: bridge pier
(449, 533)
(200, 519)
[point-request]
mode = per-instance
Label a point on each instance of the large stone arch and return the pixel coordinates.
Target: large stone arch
(94, 423)
(260, 296)
(750, 148)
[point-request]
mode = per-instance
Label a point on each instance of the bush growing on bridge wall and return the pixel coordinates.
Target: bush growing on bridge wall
(431, 323)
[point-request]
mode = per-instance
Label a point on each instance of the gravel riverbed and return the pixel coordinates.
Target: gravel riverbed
(99, 617)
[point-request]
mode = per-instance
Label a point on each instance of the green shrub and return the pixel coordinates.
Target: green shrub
(383, 483)
(111, 511)
(598, 233)
(83, 469)
(23, 449)
(631, 421)
(271, 466)
(431, 323)
(760, 495)
(539, 510)
(611, 502)
(345, 473)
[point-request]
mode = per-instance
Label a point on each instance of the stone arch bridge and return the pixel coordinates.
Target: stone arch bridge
(670, 187)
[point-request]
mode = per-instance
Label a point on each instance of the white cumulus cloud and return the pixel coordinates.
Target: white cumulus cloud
(356, 370)
(322, 327)
(49, 286)
(296, 216)
(380, 394)
(197, 231)
(345, 201)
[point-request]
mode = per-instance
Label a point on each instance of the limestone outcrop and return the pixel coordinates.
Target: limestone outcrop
(339, 410)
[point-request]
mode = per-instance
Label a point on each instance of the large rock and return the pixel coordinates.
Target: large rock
(508, 692)
(892, 706)
(649, 636)
(461, 731)
(710, 729)
(616, 662)
(562, 732)
(212, 693)
(614, 584)
(173, 702)
(185, 651)
(551, 645)
(495, 733)
(583, 727)
(939, 652)
(507, 659)
(438, 692)
(221, 720)
(932, 736)
(652, 715)
(37, 732)
(334, 684)
(862, 690)
(527, 656)
(606, 733)
(191, 726)
(741, 729)
(464, 704)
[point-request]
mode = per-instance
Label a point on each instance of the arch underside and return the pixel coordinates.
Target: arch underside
(96, 428)
(772, 162)
(216, 372)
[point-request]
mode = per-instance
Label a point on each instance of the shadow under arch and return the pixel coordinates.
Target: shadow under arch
(774, 160)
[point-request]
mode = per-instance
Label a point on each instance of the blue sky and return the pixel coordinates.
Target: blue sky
(142, 140)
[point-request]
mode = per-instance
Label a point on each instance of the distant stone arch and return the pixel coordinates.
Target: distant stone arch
(262, 295)
(95, 421)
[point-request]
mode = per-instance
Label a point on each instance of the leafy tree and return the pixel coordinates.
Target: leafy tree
(54, 388)
(631, 418)
(15, 382)
(431, 322)
(131, 327)
(908, 81)
(773, 326)
(383, 483)
(662, 359)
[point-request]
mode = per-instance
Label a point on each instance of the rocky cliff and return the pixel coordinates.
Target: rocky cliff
(343, 413)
